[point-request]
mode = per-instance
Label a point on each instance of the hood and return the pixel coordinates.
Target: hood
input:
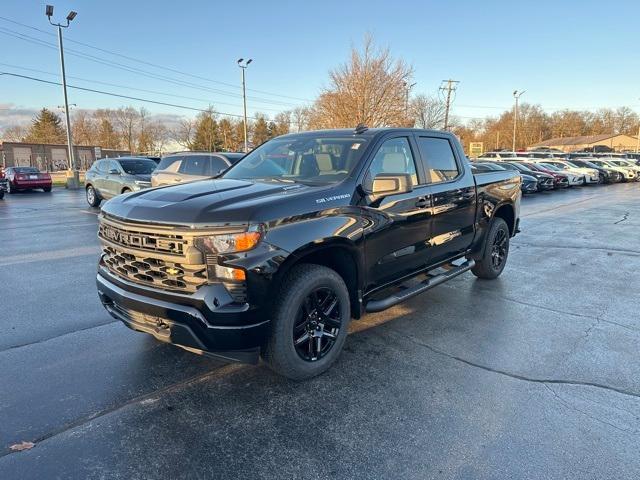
(142, 177)
(220, 201)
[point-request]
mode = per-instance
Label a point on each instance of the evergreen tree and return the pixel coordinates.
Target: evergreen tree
(46, 128)
(261, 131)
(207, 133)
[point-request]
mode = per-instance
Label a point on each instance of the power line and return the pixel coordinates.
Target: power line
(112, 94)
(451, 86)
(109, 63)
(163, 67)
(155, 92)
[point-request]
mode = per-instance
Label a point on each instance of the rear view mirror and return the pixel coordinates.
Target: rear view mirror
(391, 184)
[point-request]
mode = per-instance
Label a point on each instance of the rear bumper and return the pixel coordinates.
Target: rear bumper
(205, 322)
(25, 184)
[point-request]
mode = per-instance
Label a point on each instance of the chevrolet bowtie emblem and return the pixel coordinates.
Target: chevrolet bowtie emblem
(172, 271)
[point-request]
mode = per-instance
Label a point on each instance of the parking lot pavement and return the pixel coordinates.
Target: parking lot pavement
(533, 375)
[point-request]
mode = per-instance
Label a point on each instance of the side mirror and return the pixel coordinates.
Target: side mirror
(391, 184)
(114, 171)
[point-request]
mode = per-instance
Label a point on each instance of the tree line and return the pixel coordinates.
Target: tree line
(372, 87)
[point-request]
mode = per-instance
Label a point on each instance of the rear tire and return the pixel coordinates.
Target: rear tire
(93, 199)
(309, 322)
(126, 190)
(496, 251)
(47, 189)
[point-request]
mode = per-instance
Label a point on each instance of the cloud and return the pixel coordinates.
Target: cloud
(11, 116)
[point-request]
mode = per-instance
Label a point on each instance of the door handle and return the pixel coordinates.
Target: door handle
(422, 202)
(177, 179)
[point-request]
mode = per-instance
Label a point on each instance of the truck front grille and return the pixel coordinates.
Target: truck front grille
(155, 272)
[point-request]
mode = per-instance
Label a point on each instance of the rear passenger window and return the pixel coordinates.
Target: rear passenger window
(440, 163)
(195, 165)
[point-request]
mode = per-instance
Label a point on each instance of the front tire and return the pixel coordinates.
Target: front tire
(496, 251)
(309, 322)
(92, 196)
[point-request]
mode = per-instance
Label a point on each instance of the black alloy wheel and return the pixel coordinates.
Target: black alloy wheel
(317, 324)
(499, 249)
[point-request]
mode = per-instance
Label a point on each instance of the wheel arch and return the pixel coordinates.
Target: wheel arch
(337, 254)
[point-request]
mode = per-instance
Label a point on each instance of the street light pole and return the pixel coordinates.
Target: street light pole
(73, 167)
(516, 95)
(244, 66)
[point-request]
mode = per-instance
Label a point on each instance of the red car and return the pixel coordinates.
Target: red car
(26, 178)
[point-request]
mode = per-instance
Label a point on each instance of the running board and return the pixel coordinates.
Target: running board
(432, 281)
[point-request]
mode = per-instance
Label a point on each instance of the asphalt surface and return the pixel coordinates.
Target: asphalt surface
(533, 375)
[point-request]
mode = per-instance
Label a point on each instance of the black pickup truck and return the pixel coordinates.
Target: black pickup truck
(310, 230)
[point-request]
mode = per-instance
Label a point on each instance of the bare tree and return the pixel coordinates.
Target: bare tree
(183, 134)
(370, 88)
(427, 111)
(15, 133)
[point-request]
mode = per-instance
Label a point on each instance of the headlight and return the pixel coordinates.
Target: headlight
(213, 245)
(229, 243)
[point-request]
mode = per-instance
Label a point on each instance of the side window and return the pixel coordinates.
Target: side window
(113, 165)
(216, 165)
(440, 163)
(394, 156)
(195, 165)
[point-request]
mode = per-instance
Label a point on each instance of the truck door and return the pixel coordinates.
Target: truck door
(399, 224)
(453, 194)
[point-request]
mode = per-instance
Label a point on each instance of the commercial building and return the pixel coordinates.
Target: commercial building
(51, 157)
(572, 144)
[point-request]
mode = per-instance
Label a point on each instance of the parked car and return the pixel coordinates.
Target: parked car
(625, 163)
(192, 166)
(628, 174)
(607, 175)
(110, 177)
(27, 178)
(306, 232)
(573, 178)
(544, 180)
(588, 175)
(560, 179)
(634, 156)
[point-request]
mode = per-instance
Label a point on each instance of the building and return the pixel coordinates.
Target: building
(51, 157)
(572, 144)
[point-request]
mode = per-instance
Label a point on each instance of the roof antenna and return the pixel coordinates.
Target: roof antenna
(361, 128)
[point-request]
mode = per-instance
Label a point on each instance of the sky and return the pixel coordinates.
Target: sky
(565, 54)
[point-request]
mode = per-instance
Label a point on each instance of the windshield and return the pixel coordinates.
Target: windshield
(138, 167)
(314, 160)
(550, 167)
(571, 164)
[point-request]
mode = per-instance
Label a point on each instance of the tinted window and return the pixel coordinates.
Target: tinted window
(25, 170)
(440, 163)
(195, 165)
(394, 156)
(217, 165)
(168, 162)
(138, 166)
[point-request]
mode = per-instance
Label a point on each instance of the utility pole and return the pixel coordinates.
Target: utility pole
(516, 95)
(73, 182)
(448, 86)
(406, 101)
(244, 66)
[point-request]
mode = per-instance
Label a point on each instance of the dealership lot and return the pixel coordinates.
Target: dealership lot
(535, 374)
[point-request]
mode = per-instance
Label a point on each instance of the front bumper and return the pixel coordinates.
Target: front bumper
(206, 322)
